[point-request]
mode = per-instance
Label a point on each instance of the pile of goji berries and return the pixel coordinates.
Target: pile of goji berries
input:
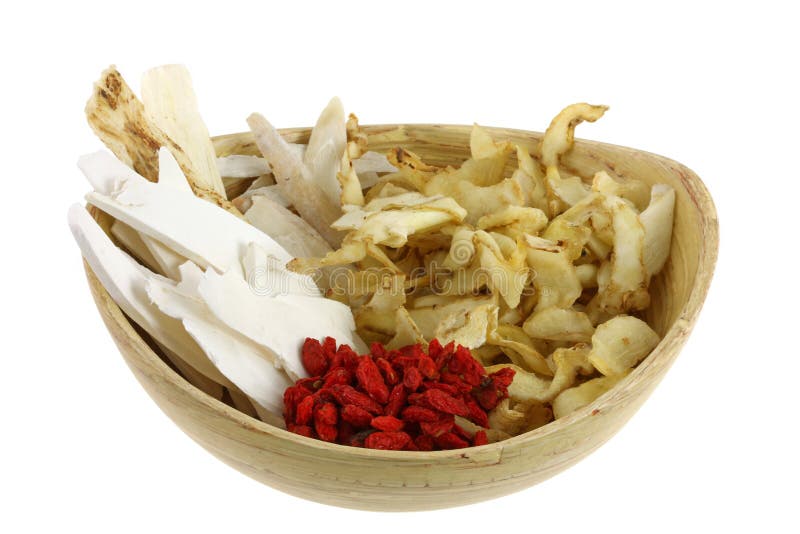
(402, 399)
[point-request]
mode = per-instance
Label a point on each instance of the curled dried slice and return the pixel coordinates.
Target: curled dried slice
(406, 331)
(469, 330)
(507, 419)
(519, 347)
(559, 324)
(571, 399)
(554, 277)
(656, 220)
(558, 140)
(624, 288)
(620, 343)
(514, 221)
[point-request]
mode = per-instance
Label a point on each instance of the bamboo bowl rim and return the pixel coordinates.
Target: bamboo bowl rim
(672, 340)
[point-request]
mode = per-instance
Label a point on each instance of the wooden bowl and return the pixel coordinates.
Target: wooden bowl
(390, 480)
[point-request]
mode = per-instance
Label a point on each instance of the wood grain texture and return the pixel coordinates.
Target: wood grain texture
(390, 480)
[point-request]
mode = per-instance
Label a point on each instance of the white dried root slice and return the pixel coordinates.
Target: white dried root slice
(377, 317)
(125, 280)
(526, 386)
(477, 200)
(620, 343)
(493, 435)
(572, 228)
(371, 220)
(657, 220)
(559, 324)
(243, 362)
(428, 314)
(168, 260)
(273, 192)
(292, 318)
(290, 231)
(406, 331)
(577, 397)
(488, 160)
(506, 276)
(240, 166)
(506, 419)
(324, 151)
(132, 241)
(519, 347)
(170, 173)
(569, 362)
(187, 225)
(635, 191)
(531, 179)
(349, 183)
(267, 276)
(462, 248)
(295, 181)
(374, 162)
(469, 330)
(554, 277)
(587, 274)
(170, 102)
(514, 221)
(624, 286)
(118, 118)
(558, 140)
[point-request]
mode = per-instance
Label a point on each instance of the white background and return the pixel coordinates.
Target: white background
(83, 448)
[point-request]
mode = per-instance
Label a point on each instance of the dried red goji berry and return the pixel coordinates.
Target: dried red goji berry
(503, 377)
(427, 367)
(412, 379)
(313, 357)
(345, 395)
(305, 410)
(329, 347)
(424, 442)
(358, 417)
(476, 413)
(456, 381)
(439, 400)
(387, 423)
(370, 379)
(418, 414)
(303, 430)
(388, 372)
(447, 388)
(377, 350)
(397, 399)
(434, 348)
(326, 432)
(390, 441)
(326, 414)
(487, 397)
(312, 383)
(339, 375)
(345, 431)
(449, 440)
(291, 398)
(437, 428)
(480, 438)
(461, 433)
(357, 439)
